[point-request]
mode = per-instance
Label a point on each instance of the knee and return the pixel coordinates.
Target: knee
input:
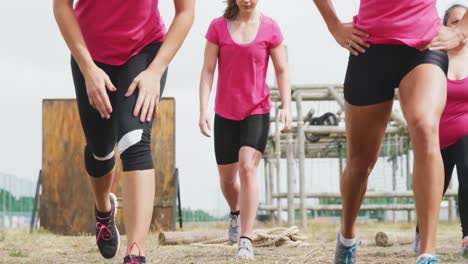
(247, 171)
(360, 165)
(98, 164)
(135, 151)
(424, 135)
(228, 180)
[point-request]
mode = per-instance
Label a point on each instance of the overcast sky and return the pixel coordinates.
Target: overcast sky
(34, 64)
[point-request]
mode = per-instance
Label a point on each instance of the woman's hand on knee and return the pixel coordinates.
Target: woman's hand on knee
(96, 83)
(205, 124)
(147, 103)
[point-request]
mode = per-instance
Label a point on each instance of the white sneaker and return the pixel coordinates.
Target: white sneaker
(245, 250)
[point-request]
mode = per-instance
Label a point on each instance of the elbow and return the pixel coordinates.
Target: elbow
(281, 70)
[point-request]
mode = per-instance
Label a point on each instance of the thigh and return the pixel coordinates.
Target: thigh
(100, 133)
(129, 126)
(254, 131)
(226, 140)
(371, 77)
(423, 94)
(365, 129)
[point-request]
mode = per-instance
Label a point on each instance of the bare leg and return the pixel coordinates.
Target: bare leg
(102, 188)
(422, 98)
(230, 184)
(249, 160)
(365, 129)
(138, 189)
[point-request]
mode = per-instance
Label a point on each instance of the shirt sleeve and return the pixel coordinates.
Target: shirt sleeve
(276, 35)
(212, 34)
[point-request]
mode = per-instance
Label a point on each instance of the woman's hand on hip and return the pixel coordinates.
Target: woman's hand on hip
(97, 81)
(448, 38)
(147, 104)
(205, 124)
(349, 37)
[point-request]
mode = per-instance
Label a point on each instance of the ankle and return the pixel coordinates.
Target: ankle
(236, 213)
(103, 205)
(347, 242)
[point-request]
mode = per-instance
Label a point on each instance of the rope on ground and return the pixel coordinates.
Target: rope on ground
(278, 236)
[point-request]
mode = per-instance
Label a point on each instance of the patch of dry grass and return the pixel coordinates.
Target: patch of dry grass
(18, 246)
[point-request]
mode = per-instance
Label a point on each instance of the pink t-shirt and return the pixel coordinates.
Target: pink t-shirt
(408, 22)
(115, 30)
(454, 120)
(242, 69)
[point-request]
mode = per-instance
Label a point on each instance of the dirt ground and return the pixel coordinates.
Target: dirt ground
(18, 246)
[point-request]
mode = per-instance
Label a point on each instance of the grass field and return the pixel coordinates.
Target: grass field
(18, 246)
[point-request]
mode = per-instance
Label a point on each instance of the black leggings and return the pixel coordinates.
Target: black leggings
(457, 155)
(133, 138)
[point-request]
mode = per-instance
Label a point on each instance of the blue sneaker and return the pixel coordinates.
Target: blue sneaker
(416, 243)
(429, 260)
(345, 255)
(464, 251)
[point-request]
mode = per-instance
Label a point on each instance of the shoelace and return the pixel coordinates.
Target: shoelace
(132, 261)
(430, 260)
(104, 232)
(348, 252)
(233, 220)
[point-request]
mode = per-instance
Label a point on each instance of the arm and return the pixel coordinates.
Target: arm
(148, 81)
(345, 34)
(96, 79)
(278, 57)
(206, 83)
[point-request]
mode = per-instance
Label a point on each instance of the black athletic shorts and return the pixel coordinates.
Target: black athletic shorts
(372, 77)
(231, 135)
(132, 137)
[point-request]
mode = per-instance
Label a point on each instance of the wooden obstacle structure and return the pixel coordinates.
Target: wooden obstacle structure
(66, 202)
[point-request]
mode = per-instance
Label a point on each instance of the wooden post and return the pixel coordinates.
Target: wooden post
(266, 170)
(301, 148)
(36, 201)
(387, 239)
(278, 161)
(178, 238)
(290, 157)
(271, 185)
(394, 168)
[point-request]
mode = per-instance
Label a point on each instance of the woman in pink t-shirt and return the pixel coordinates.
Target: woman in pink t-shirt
(454, 126)
(241, 42)
(388, 42)
(120, 53)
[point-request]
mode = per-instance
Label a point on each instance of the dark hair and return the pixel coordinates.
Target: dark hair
(231, 10)
(449, 10)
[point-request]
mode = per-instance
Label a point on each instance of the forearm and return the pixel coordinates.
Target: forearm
(284, 87)
(206, 82)
(72, 35)
(175, 37)
(328, 13)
